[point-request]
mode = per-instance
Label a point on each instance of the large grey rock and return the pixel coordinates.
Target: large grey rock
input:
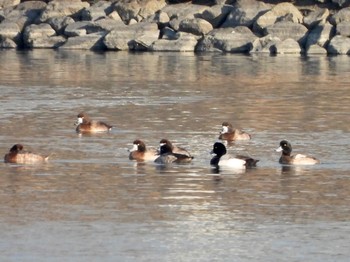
(7, 43)
(318, 16)
(184, 11)
(341, 3)
(41, 36)
(92, 41)
(280, 12)
(320, 35)
(98, 10)
(343, 28)
(185, 42)
(10, 30)
(217, 14)
(288, 46)
(137, 10)
(195, 26)
(339, 45)
(59, 24)
(265, 44)
(23, 14)
(234, 40)
(343, 15)
(316, 50)
(245, 12)
(77, 28)
(59, 8)
(285, 30)
(119, 38)
(8, 3)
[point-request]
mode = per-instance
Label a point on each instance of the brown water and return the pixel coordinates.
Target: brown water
(90, 203)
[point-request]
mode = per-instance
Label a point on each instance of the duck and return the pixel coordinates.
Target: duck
(139, 152)
(298, 159)
(224, 160)
(231, 134)
(18, 155)
(167, 154)
(182, 152)
(86, 125)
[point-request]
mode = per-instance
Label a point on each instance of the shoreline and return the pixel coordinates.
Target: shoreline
(249, 26)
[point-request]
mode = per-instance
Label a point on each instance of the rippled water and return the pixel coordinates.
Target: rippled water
(90, 203)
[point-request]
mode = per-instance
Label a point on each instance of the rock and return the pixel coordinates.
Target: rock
(245, 12)
(316, 50)
(137, 10)
(60, 8)
(185, 42)
(41, 36)
(108, 24)
(98, 10)
(320, 35)
(196, 26)
(168, 33)
(343, 28)
(316, 17)
(77, 28)
(119, 38)
(8, 3)
(341, 3)
(184, 11)
(234, 40)
(285, 30)
(217, 14)
(287, 46)
(59, 24)
(7, 43)
(92, 41)
(10, 30)
(342, 15)
(280, 12)
(115, 16)
(265, 44)
(23, 14)
(339, 45)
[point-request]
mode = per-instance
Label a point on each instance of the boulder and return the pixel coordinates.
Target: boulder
(320, 35)
(341, 3)
(195, 26)
(280, 12)
(316, 50)
(284, 30)
(97, 11)
(316, 17)
(245, 13)
(265, 44)
(10, 30)
(343, 15)
(92, 41)
(234, 40)
(137, 10)
(7, 43)
(287, 46)
(339, 45)
(343, 28)
(60, 8)
(77, 28)
(41, 36)
(184, 42)
(8, 3)
(119, 38)
(184, 11)
(59, 24)
(217, 14)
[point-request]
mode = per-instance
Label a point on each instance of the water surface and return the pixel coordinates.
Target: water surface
(90, 202)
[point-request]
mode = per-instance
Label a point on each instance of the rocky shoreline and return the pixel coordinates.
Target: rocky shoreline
(242, 26)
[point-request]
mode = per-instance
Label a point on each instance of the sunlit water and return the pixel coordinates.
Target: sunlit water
(91, 203)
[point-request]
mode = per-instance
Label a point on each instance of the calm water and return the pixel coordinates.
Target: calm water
(90, 203)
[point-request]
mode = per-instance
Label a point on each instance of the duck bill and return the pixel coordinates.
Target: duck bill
(280, 149)
(134, 148)
(79, 121)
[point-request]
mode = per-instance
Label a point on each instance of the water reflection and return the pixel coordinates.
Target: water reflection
(91, 188)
